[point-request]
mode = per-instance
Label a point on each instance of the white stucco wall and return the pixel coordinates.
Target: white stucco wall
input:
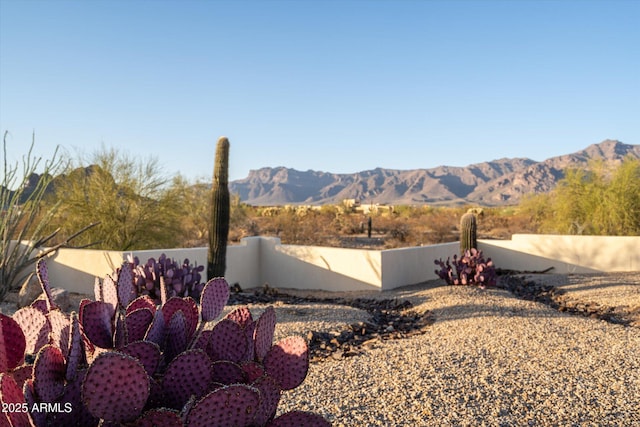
(260, 260)
(567, 254)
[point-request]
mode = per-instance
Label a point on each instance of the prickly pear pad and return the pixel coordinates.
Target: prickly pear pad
(234, 405)
(190, 373)
(241, 315)
(109, 294)
(226, 372)
(76, 351)
(59, 334)
(177, 340)
(12, 343)
(214, 297)
(147, 352)
(96, 321)
(161, 417)
(116, 387)
(189, 310)
(35, 326)
(269, 399)
(126, 288)
(43, 278)
(10, 393)
(143, 301)
(263, 335)
(48, 373)
(227, 342)
(288, 362)
(137, 323)
(156, 330)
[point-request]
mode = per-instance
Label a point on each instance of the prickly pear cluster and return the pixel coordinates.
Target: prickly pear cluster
(164, 278)
(124, 360)
(470, 269)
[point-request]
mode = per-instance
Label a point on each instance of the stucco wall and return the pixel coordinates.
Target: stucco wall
(260, 260)
(566, 254)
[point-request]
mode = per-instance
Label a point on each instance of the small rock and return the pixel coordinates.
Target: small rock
(61, 298)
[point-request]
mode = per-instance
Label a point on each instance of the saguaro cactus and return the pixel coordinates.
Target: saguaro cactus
(219, 227)
(468, 230)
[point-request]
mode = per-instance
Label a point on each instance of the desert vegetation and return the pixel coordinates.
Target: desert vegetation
(137, 207)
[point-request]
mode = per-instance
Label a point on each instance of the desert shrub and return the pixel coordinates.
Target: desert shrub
(25, 216)
(600, 200)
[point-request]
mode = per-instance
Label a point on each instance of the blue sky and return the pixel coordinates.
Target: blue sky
(339, 86)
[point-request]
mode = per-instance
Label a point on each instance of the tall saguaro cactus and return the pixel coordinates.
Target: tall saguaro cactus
(219, 227)
(468, 232)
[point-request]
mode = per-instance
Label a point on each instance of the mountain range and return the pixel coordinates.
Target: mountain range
(497, 182)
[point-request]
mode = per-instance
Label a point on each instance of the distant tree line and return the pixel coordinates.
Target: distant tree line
(599, 200)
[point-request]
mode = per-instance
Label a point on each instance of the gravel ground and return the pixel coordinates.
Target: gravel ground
(488, 360)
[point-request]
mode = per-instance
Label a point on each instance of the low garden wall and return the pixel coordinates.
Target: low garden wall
(259, 260)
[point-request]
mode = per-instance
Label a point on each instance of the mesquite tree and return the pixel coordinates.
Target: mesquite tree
(220, 207)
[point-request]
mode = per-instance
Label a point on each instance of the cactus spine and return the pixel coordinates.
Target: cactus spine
(468, 230)
(219, 227)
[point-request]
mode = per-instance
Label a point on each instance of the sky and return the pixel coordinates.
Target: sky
(337, 86)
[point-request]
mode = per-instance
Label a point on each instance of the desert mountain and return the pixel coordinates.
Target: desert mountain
(497, 182)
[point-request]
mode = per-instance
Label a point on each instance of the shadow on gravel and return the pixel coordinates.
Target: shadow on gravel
(390, 319)
(474, 311)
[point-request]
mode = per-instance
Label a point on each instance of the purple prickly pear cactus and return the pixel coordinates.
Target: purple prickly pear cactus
(12, 343)
(288, 362)
(116, 387)
(73, 412)
(137, 323)
(49, 374)
(269, 399)
(241, 315)
(189, 310)
(126, 287)
(40, 304)
(252, 370)
(155, 333)
(227, 342)
(146, 352)
(22, 374)
(214, 297)
(110, 294)
(97, 324)
(226, 372)
(233, 405)
(189, 374)
(299, 418)
(176, 336)
(143, 301)
(263, 335)
(10, 393)
(35, 326)
(202, 340)
(59, 334)
(39, 418)
(159, 417)
(76, 354)
(43, 278)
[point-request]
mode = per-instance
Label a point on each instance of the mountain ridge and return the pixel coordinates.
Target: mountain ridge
(491, 183)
